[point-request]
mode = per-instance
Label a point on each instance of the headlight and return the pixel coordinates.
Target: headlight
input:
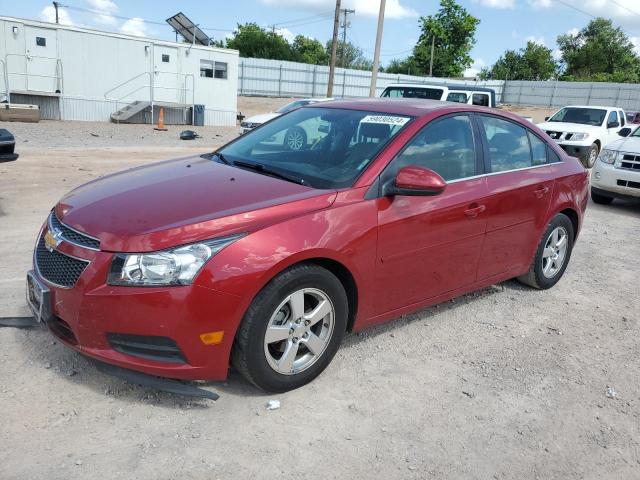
(608, 156)
(177, 266)
(579, 136)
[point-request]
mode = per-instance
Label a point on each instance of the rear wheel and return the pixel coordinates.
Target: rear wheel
(553, 254)
(592, 155)
(600, 199)
(292, 329)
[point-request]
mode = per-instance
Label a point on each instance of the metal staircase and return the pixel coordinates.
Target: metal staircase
(128, 111)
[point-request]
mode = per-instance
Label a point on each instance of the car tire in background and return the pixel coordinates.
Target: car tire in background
(292, 329)
(552, 255)
(295, 138)
(600, 199)
(592, 156)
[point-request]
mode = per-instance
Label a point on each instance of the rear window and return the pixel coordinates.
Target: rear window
(480, 99)
(457, 97)
(413, 92)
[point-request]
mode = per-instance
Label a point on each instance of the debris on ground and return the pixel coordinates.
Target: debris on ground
(611, 393)
(273, 404)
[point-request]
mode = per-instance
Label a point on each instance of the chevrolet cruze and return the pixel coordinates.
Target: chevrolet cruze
(262, 256)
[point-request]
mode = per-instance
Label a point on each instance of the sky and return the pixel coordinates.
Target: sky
(504, 24)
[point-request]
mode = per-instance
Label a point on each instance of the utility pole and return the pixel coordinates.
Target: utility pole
(345, 25)
(433, 44)
(334, 46)
(56, 5)
(376, 54)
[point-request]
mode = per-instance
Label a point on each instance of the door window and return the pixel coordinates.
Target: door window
(613, 118)
(480, 99)
(41, 41)
(508, 145)
(165, 58)
(458, 97)
(622, 119)
(444, 146)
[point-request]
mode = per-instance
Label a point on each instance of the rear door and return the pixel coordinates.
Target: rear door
(520, 186)
(429, 245)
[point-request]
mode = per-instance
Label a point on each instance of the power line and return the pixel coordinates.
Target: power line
(625, 8)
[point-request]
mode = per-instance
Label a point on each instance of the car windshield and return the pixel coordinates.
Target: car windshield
(585, 116)
(636, 133)
(293, 105)
(323, 148)
(413, 92)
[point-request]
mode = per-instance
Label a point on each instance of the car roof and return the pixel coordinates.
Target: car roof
(450, 86)
(415, 107)
(592, 106)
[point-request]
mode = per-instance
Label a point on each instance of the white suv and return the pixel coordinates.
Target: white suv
(582, 131)
(617, 171)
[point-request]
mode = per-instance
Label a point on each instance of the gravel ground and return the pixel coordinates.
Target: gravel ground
(505, 383)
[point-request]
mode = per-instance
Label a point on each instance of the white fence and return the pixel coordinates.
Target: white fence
(275, 78)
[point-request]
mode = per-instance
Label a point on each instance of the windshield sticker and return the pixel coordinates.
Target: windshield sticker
(385, 119)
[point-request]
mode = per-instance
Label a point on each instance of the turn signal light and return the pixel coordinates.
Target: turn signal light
(212, 338)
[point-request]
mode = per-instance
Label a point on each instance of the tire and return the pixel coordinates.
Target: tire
(600, 199)
(269, 365)
(542, 274)
(295, 139)
(592, 155)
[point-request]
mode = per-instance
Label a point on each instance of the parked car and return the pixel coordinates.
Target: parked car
(470, 95)
(265, 256)
(617, 171)
(7, 146)
(257, 120)
(582, 131)
(633, 117)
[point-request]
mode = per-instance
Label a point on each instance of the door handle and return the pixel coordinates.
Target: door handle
(541, 192)
(474, 210)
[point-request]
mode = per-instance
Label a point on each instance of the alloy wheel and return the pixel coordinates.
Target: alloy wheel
(295, 140)
(555, 252)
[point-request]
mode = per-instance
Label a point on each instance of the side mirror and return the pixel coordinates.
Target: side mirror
(613, 124)
(546, 118)
(624, 132)
(415, 181)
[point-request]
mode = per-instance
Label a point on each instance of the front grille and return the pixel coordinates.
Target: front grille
(58, 268)
(630, 162)
(73, 236)
(629, 184)
(160, 349)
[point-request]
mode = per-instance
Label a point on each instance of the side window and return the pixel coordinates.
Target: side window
(444, 146)
(206, 68)
(457, 97)
(538, 150)
(553, 156)
(220, 70)
(613, 117)
(508, 145)
(622, 119)
(480, 99)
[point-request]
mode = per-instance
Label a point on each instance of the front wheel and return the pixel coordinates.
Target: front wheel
(292, 329)
(295, 138)
(592, 156)
(553, 254)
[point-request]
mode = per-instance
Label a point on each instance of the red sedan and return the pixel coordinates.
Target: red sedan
(263, 254)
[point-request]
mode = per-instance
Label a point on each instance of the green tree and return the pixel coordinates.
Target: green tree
(309, 50)
(349, 56)
(599, 52)
(406, 66)
(256, 42)
(533, 62)
(454, 31)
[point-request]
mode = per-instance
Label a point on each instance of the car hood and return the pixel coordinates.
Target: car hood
(628, 144)
(182, 201)
(262, 118)
(569, 127)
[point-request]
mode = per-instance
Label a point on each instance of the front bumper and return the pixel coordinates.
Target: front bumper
(611, 181)
(88, 316)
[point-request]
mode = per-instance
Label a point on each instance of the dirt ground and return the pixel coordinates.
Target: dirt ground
(505, 383)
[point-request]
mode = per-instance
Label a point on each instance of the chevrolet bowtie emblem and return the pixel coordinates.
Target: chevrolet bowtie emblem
(52, 239)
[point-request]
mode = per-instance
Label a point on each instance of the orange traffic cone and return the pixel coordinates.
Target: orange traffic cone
(161, 121)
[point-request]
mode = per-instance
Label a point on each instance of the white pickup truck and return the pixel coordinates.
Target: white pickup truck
(582, 131)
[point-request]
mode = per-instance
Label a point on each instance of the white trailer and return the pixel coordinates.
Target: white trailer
(76, 73)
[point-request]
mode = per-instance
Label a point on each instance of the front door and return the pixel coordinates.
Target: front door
(430, 245)
(520, 186)
(42, 68)
(166, 81)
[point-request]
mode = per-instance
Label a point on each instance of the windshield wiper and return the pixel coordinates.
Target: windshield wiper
(220, 157)
(260, 168)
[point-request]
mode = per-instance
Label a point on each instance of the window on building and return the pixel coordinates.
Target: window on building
(206, 68)
(165, 58)
(41, 41)
(221, 70)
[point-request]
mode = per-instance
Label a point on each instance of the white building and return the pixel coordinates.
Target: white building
(76, 73)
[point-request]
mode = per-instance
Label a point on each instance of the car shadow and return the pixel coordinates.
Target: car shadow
(629, 208)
